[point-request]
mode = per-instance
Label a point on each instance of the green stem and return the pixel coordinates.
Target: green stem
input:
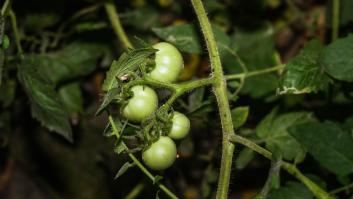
(254, 73)
(335, 191)
(5, 7)
(314, 188)
(136, 191)
(335, 19)
(138, 163)
(115, 21)
(220, 91)
(16, 33)
(290, 168)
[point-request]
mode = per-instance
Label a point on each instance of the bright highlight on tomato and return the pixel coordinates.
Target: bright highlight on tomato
(161, 154)
(141, 105)
(180, 127)
(169, 63)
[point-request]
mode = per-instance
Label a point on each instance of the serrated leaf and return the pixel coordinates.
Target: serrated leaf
(127, 62)
(239, 116)
(45, 103)
(71, 97)
(337, 59)
(303, 74)
(74, 60)
(108, 98)
(328, 144)
(292, 190)
(187, 38)
(123, 169)
(244, 157)
(274, 130)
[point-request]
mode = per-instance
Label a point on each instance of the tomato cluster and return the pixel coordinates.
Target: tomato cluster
(143, 104)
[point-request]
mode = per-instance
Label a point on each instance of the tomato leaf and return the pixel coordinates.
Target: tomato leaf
(274, 130)
(292, 190)
(123, 169)
(328, 144)
(71, 97)
(128, 61)
(74, 60)
(244, 157)
(337, 59)
(302, 73)
(108, 98)
(239, 116)
(45, 102)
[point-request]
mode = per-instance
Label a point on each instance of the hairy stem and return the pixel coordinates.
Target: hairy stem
(138, 163)
(220, 91)
(254, 73)
(16, 33)
(115, 21)
(335, 18)
(290, 168)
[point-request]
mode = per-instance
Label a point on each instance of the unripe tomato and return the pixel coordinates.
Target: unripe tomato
(169, 63)
(141, 105)
(180, 127)
(161, 154)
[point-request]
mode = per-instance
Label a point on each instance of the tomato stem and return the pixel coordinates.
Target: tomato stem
(290, 168)
(138, 163)
(335, 19)
(220, 91)
(115, 21)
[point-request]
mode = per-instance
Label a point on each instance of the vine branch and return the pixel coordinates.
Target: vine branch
(220, 91)
(115, 21)
(16, 33)
(290, 168)
(335, 18)
(138, 163)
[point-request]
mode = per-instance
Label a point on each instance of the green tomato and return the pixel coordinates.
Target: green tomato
(180, 127)
(161, 154)
(169, 63)
(141, 105)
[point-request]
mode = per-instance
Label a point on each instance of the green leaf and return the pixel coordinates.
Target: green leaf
(143, 18)
(127, 62)
(71, 97)
(239, 116)
(123, 169)
(244, 157)
(108, 98)
(257, 50)
(274, 130)
(45, 103)
(302, 73)
(292, 190)
(337, 59)
(328, 144)
(187, 38)
(74, 60)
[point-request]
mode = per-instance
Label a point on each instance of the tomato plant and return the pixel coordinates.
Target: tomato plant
(161, 154)
(168, 63)
(195, 99)
(141, 105)
(180, 126)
